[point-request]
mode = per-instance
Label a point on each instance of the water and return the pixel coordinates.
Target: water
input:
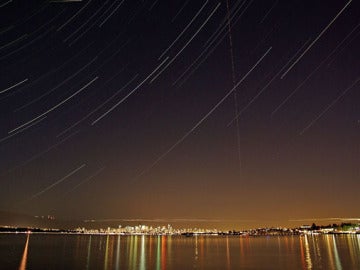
(50, 251)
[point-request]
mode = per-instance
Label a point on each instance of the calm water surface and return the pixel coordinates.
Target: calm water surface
(42, 251)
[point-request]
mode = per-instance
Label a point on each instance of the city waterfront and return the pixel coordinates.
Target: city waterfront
(77, 251)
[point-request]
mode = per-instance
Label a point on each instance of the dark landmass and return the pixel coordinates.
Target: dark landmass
(33, 230)
(27, 221)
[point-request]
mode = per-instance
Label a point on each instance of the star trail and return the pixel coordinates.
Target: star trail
(128, 108)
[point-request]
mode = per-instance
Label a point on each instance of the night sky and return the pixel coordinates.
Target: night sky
(128, 110)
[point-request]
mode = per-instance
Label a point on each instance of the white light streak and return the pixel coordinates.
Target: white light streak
(187, 43)
(23, 129)
(311, 74)
(34, 157)
(130, 93)
(92, 16)
(53, 108)
(183, 31)
(13, 86)
(86, 180)
(14, 41)
(57, 86)
(98, 107)
(339, 45)
(267, 13)
(266, 86)
(206, 50)
(69, 20)
(316, 39)
(329, 106)
(104, 21)
(180, 10)
(222, 27)
(27, 44)
(57, 182)
(4, 4)
(203, 118)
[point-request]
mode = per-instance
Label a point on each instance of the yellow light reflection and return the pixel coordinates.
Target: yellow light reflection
(142, 254)
(308, 255)
(331, 257)
(337, 258)
(111, 252)
(131, 251)
(351, 245)
(135, 250)
(242, 256)
(357, 246)
(25, 254)
(279, 245)
(228, 253)
(303, 263)
(78, 247)
(88, 254)
(242, 252)
(196, 252)
(287, 243)
(117, 263)
(292, 243)
(316, 247)
(106, 253)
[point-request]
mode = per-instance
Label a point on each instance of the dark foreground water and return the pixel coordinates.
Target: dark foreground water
(42, 251)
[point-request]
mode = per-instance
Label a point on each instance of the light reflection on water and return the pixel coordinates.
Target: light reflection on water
(88, 254)
(308, 255)
(25, 254)
(228, 253)
(337, 258)
(330, 253)
(142, 255)
(106, 253)
(41, 251)
(117, 264)
(158, 253)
